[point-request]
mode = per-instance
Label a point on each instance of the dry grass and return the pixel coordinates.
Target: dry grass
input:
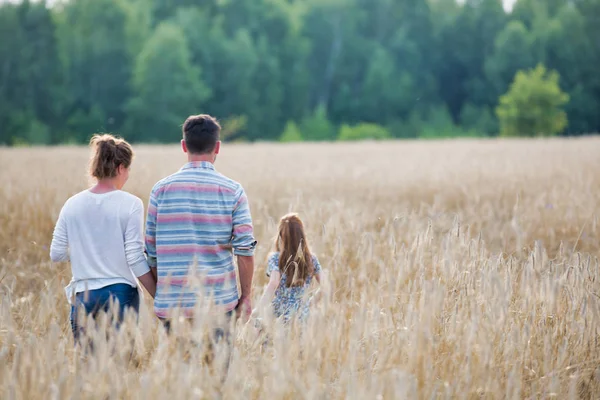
(464, 269)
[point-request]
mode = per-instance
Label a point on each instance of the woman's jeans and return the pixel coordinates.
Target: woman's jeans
(95, 301)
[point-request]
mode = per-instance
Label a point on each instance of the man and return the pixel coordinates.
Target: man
(196, 217)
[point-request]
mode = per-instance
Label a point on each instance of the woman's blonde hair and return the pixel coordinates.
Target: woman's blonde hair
(295, 259)
(108, 154)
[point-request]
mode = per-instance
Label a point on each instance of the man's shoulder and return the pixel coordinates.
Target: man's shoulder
(186, 177)
(164, 182)
(228, 182)
(210, 177)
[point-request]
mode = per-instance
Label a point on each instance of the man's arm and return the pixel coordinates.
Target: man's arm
(150, 239)
(246, 268)
(243, 244)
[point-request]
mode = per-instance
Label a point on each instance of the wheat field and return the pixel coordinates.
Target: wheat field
(461, 269)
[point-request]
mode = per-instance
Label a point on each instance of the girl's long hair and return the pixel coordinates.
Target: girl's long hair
(295, 259)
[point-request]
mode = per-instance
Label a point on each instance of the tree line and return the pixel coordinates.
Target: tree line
(297, 69)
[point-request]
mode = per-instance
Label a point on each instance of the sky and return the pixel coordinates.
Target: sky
(508, 4)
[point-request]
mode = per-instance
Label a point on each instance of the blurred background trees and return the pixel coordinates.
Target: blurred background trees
(533, 105)
(297, 69)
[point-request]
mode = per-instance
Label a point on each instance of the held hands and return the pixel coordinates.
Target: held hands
(244, 308)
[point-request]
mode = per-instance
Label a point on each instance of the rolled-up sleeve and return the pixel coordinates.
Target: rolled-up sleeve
(243, 241)
(134, 245)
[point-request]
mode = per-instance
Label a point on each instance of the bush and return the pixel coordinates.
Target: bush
(317, 126)
(291, 133)
(437, 123)
(402, 129)
(533, 105)
(363, 131)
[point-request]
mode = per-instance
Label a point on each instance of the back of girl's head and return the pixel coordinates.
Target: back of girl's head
(108, 154)
(295, 259)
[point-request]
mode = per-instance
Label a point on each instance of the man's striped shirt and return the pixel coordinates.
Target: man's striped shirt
(196, 217)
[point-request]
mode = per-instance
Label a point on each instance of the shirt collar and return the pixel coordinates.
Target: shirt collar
(198, 164)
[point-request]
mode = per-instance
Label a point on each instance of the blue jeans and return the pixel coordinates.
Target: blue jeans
(98, 300)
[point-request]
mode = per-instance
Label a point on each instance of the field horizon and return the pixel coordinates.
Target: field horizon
(463, 268)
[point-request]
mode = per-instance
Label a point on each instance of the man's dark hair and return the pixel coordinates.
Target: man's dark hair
(201, 133)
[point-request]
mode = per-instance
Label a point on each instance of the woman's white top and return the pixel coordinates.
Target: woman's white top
(101, 234)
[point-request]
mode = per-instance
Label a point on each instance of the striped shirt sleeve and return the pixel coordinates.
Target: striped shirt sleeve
(151, 229)
(243, 241)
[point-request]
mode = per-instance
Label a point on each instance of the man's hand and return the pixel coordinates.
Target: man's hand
(244, 308)
(246, 269)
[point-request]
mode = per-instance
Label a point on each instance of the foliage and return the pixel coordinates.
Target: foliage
(478, 119)
(233, 127)
(82, 66)
(168, 86)
(363, 131)
(317, 127)
(437, 123)
(291, 133)
(533, 105)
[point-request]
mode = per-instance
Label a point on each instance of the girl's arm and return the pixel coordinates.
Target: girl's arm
(320, 278)
(59, 249)
(269, 292)
(134, 249)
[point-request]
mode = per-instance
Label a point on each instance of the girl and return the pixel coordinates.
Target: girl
(291, 269)
(99, 231)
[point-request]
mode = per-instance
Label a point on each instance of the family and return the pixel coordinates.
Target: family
(197, 221)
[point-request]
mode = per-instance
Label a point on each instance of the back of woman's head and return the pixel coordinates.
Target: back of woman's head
(295, 259)
(108, 154)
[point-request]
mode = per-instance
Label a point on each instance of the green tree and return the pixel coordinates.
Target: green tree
(291, 133)
(317, 126)
(168, 87)
(479, 119)
(569, 47)
(69, 68)
(97, 65)
(513, 51)
(533, 105)
(465, 38)
(437, 123)
(30, 77)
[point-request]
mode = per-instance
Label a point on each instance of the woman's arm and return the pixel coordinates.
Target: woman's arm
(59, 249)
(149, 282)
(134, 248)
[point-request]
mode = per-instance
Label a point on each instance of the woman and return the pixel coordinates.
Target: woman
(100, 232)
